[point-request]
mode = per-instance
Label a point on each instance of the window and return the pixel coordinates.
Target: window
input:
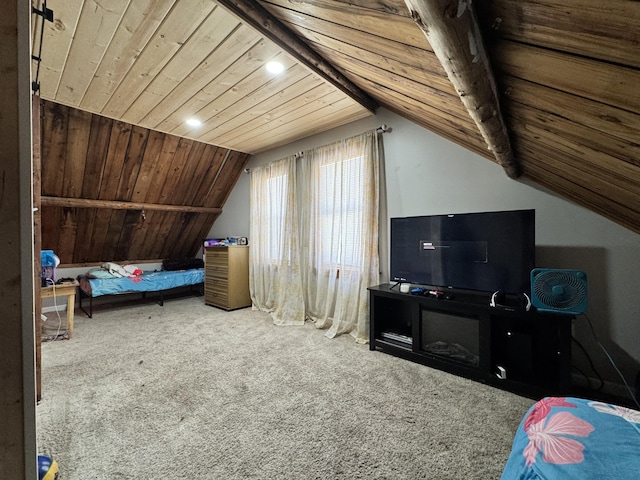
(315, 219)
(340, 205)
(275, 196)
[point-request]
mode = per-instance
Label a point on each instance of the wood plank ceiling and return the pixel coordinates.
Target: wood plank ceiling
(116, 191)
(125, 75)
(567, 73)
(157, 63)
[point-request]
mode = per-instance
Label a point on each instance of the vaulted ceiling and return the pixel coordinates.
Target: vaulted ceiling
(566, 77)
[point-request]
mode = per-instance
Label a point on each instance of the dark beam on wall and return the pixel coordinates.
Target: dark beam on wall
(116, 205)
(259, 18)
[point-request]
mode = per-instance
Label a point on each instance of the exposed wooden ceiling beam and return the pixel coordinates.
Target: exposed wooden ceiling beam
(118, 205)
(452, 29)
(253, 14)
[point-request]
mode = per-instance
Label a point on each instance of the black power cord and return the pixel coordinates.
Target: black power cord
(595, 337)
(593, 368)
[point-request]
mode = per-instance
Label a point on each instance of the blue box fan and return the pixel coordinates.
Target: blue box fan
(559, 291)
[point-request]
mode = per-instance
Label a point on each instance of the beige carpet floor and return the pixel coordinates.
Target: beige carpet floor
(188, 391)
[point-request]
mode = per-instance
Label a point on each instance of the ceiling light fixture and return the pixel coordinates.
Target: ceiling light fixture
(275, 67)
(194, 122)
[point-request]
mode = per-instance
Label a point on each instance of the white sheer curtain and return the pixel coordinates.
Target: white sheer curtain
(317, 261)
(339, 233)
(275, 280)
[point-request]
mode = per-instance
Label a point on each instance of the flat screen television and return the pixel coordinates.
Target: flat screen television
(486, 251)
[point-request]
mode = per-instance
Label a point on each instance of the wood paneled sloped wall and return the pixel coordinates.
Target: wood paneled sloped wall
(112, 191)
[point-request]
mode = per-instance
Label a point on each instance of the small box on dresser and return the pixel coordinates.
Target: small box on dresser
(226, 283)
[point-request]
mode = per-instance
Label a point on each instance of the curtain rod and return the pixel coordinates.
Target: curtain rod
(384, 128)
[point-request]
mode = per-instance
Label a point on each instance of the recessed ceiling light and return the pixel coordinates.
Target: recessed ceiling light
(194, 122)
(275, 67)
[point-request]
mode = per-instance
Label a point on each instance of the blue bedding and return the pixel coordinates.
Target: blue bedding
(571, 438)
(147, 282)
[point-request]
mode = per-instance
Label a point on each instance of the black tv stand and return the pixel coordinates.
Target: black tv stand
(526, 352)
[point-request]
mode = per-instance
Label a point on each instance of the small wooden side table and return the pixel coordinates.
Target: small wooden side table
(63, 290)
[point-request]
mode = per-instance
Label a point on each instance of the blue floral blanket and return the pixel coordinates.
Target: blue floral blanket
(573, 438)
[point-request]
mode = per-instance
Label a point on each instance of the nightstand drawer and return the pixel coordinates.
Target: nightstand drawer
(217, 255)
(217, 285)
(216, 298)
(217, 270)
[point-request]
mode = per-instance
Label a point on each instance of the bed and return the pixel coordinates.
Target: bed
(102, 281)
(565, 438)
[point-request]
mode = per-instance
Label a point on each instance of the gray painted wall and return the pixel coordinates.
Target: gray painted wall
(427, 174)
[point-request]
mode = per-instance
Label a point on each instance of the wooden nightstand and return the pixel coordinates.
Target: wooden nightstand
(59, 291)
(226, 283)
